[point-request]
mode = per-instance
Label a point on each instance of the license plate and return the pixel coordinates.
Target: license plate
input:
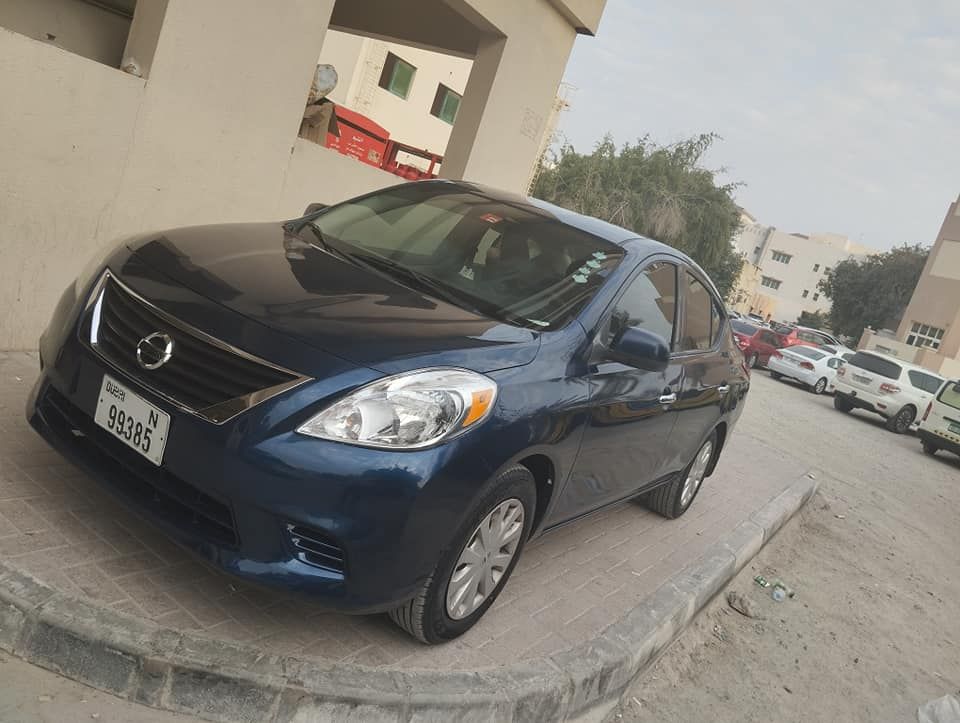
(955, 428)
(862, 380)
(132, 419)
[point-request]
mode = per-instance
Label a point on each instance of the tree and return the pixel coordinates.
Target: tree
(658, 191)
(813, 319)
(873, 291)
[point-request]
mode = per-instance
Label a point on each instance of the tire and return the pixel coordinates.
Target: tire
(754, 360)
(929, 448)
(841, 404)
(776, 376)
(900, 422)
(820, 387)
(427, 616)
(669, 500)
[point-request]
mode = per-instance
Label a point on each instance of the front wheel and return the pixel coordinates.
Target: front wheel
(820, 387)
(929, 448)
(673, 499)
(474, 568)
(901, 421)
(775, 376)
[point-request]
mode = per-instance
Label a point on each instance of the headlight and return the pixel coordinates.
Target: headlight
(407, 411)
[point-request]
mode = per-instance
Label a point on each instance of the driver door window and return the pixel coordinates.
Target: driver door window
(649, 302)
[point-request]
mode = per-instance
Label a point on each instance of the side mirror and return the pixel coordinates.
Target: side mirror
(641, 349)
(314, 207)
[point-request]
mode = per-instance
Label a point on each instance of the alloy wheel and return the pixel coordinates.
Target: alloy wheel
(696, 474)
(485, 559)
(904, 419)
(820, 387)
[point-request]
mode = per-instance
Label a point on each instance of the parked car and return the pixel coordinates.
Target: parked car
(815, 368)
(940, 426)
(756, 343)
(804, 336)
(894, 389)
(381, 402)
(756, 319)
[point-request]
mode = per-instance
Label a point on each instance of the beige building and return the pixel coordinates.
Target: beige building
(929, 333)
(201, 125)
(783, 270)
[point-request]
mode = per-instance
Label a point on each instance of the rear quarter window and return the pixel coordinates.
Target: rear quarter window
(877, 365)
(924, 382)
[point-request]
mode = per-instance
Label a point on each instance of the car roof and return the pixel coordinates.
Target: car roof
(908, 366)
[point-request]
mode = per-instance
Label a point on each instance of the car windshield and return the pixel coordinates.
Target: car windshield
(951, 395)
(877, 365)
(513, 262)
(781, 328)
(808, 352)
(742, 327)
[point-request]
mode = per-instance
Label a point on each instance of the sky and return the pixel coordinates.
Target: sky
(839, 116)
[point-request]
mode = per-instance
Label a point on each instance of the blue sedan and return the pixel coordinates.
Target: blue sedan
(378, 404)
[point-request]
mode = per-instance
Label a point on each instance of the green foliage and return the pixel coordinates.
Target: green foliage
(873, 291)
(658, 191)
(813, 319)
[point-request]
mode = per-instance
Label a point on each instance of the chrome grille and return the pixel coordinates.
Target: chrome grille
(203, 376)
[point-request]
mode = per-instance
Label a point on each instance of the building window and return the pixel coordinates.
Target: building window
(924, 335)
(756, 249)
(770, 283)
(397, 76)
(806, 293)
(816, 297)
(782, 257)
(816, 267)
(826, 269)
(446, 103)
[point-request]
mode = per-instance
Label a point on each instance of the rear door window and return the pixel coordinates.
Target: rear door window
(877, 365)
(698, 318)
(924, 382)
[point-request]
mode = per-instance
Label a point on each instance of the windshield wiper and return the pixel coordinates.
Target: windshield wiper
(325, 245)
(436, 288)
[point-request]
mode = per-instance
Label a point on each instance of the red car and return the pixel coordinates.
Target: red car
(802, 335)
(756, 342)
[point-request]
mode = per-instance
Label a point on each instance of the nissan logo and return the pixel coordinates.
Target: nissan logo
(155, 350)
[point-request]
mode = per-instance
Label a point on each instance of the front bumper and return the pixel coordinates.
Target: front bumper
(245, 494)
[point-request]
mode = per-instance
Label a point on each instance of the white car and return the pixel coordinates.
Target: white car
(816, 368)
(894, 389)
(940, 426)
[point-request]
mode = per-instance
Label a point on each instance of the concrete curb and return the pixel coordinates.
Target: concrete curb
(139, 660)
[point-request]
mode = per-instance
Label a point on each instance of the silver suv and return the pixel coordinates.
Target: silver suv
(894, 389)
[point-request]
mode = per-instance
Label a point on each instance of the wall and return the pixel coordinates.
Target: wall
(61, 173)
(345, 52)
(79, 27)
(319, 175)
(936, 300)
(870, 340)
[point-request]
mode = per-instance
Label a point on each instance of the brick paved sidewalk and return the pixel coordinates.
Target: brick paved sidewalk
(63, 528)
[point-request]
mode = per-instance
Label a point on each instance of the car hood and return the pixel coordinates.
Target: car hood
(269, 273)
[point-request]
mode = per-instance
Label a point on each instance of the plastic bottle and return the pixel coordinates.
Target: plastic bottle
(778, 593)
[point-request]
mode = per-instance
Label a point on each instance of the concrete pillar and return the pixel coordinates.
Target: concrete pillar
(508, 100)
(144, 35)
(227, 87)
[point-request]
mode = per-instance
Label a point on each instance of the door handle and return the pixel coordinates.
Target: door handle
(669, 398)
(723, 389)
